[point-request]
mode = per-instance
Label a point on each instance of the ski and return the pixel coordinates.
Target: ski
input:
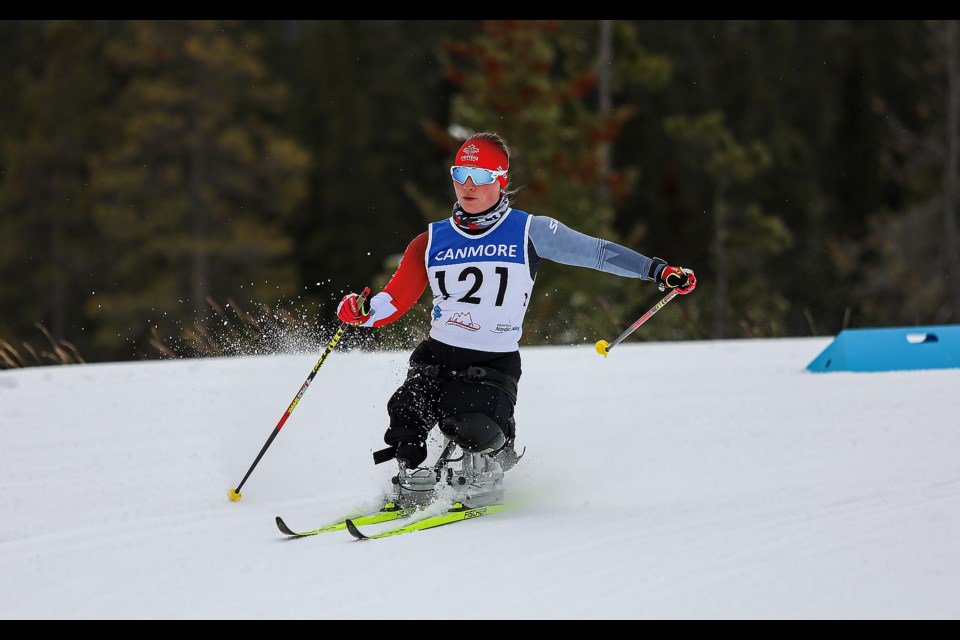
(390, 511)
(477, 491)
(457, 513)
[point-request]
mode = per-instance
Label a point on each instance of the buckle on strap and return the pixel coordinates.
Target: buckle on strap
(425, 370)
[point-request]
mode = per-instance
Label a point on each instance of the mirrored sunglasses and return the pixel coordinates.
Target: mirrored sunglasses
(480, 176)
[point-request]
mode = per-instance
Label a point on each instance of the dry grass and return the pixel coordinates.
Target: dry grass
(62, 352)
(231, 331)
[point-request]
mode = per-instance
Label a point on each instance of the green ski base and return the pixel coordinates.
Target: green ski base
(457, 513)
(390, 511)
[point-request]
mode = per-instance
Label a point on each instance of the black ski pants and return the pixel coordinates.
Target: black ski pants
(423, 399)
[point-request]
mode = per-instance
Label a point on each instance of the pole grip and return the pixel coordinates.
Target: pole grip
(363, 297)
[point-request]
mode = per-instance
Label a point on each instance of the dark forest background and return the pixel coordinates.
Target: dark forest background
(191, 188)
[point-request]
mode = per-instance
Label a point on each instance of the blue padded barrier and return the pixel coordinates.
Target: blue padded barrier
(891, 349)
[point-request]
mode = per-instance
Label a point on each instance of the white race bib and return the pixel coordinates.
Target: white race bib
(481, 284)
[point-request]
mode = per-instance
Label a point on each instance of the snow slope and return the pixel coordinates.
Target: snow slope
(768, 492)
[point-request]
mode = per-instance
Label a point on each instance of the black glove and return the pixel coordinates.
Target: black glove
(683, 280)
(412, 453)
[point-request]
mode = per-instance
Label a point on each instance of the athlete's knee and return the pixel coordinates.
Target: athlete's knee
(474, 432)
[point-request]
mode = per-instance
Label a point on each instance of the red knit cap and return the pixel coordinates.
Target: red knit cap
(479, 152)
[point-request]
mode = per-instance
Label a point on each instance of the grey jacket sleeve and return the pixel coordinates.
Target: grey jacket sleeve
(555, 241)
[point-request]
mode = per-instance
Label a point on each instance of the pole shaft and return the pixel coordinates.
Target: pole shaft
(303, 389)
(649, 314)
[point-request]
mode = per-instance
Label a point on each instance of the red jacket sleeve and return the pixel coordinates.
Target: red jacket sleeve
(406, 285)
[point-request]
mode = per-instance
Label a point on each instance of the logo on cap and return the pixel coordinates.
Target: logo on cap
(470, 153)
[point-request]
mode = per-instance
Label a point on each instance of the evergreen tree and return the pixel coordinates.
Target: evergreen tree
(193, 192)
(362, 91)
(917, 235)
(535, 83)
(744, 238)
(47, 237)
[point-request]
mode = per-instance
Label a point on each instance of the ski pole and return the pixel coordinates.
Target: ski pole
(603, 347)
(234, 494)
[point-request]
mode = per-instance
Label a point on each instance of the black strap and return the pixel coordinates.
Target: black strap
(473, 374)
(493, 378)
(384, 455)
